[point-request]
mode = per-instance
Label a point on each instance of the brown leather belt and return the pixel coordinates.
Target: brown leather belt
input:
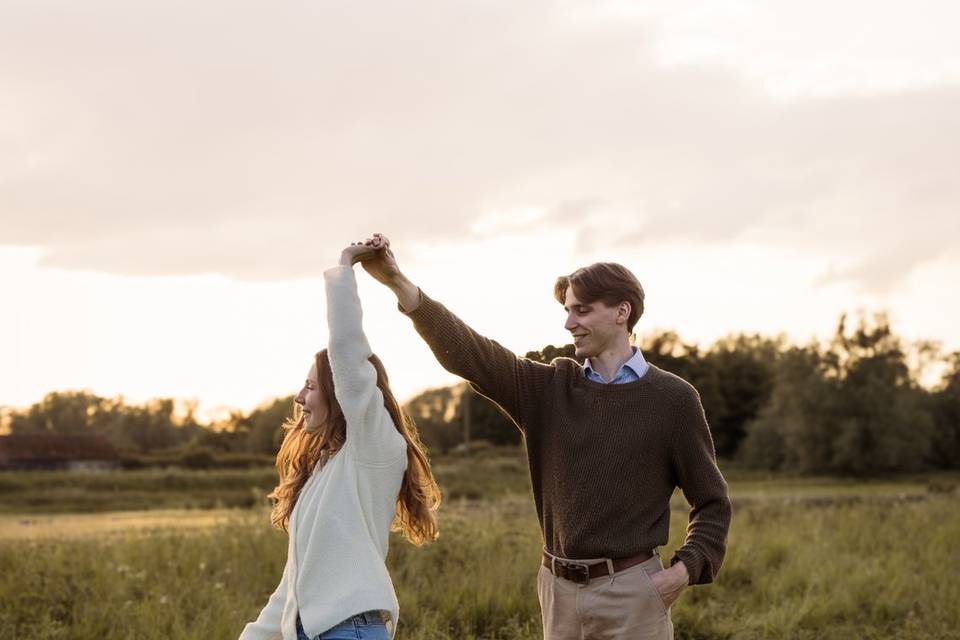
(583, 572)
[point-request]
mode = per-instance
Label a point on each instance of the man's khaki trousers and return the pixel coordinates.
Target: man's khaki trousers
(623, 606)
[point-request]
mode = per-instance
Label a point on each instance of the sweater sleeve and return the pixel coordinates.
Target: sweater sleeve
(492, 369)
(369, 424)
(704, 488)
(267, 624)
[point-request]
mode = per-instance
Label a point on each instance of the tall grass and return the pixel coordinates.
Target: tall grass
(868, 569)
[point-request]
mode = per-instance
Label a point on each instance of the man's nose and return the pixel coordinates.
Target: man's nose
(570, 324)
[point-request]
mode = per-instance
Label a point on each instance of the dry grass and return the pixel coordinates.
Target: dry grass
(807, 559)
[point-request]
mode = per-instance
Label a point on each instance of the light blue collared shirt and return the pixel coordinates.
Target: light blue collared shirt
(631, 370)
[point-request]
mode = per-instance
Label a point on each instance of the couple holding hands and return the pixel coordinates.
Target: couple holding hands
(607, 444)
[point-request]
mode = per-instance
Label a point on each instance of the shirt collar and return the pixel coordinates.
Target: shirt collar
(637, 363)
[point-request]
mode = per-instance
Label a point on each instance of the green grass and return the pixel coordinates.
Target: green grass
(814, 558)
(862, 571)
(100, 491)
(489, 473)
(485, 474)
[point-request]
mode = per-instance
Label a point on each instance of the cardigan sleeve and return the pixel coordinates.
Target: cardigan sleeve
(267, 624)
(369, 425)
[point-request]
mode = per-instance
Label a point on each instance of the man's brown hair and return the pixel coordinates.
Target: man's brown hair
(608, 282)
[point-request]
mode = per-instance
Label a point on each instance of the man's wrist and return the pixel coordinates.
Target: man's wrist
(408, 294)
(401, 286)
(398, 283)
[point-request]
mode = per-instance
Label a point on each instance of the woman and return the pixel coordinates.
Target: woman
(350, 466)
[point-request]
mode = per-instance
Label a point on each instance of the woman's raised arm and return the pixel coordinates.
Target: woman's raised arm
(369, 425)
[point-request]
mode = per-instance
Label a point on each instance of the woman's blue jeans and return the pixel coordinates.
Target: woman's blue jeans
(363, 626)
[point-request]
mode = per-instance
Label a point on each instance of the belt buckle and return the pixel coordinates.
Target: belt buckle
(578, 572)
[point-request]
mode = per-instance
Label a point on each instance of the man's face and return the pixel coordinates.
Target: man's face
(595, 327)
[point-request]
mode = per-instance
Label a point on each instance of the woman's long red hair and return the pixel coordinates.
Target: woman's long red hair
(419, 497)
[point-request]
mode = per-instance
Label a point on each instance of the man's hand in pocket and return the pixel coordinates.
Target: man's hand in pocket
(671, 582)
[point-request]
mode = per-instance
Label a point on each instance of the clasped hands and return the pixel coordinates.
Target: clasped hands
(365, 250)
(357, 252)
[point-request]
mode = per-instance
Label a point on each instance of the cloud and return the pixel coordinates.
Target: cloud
(254, 140)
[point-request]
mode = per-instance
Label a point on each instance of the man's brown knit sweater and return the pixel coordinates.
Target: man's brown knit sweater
(604, 458)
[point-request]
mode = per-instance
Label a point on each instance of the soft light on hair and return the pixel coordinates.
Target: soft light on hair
(419, 497)
(608, 282)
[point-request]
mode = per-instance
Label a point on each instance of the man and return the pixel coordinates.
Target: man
(607, 443)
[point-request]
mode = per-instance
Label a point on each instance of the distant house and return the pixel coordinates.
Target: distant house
(54, 451)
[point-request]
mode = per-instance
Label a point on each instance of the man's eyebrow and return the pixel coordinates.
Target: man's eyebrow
(579, 304)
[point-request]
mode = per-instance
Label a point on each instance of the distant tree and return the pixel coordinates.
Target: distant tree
(849, 408)
(59, 412)
(669, 352)
(264, 425)
(884, 426)
(144, 428)
(227, 435)
(433, 411)
(187, 422)
(945, 410)
(6, 417)
(795, 428)
(151, 426)
(850, 405)
(741, 374)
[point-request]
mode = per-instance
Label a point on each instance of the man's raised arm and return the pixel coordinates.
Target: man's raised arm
(494, 370)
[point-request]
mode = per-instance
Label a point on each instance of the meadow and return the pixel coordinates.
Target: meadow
(808, 557)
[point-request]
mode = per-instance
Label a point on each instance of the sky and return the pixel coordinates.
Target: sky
(175, 177)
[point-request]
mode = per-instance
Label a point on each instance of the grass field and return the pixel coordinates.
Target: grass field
(814, 558)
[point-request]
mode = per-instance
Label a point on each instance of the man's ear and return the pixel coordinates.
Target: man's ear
(623, 312)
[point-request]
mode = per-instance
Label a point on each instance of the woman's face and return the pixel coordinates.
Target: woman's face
(313, 401)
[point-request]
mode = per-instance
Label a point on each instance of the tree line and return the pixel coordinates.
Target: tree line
(850, 405)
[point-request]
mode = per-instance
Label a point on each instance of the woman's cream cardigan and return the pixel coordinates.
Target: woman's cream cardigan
(339, 528)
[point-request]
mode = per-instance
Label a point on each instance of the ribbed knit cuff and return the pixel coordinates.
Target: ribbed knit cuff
(694, 561)
(416, 308)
